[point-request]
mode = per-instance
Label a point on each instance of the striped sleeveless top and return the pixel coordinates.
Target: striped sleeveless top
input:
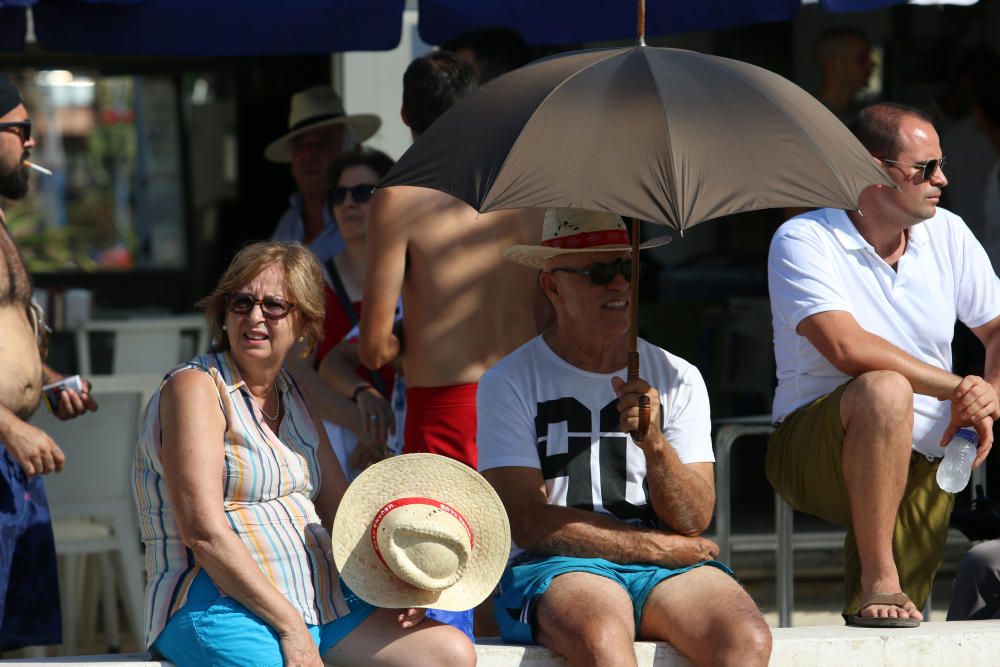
(269, 481)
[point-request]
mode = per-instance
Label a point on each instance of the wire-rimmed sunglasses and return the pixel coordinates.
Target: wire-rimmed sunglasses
(21, 128)
(272, 307)
(604, 273)
(359, 193)
(927, 168)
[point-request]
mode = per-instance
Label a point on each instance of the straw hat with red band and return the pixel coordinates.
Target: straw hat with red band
(574, 230)
(421, 530)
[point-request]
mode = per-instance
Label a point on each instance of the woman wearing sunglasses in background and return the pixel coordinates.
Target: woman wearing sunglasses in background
(237, 487)
(352, 183)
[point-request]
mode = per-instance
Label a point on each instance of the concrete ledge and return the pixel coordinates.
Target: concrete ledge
(971, 643)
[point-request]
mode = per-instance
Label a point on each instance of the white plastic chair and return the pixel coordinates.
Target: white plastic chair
(92, 508)
(146, 344)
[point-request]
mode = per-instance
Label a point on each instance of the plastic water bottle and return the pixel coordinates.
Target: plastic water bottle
(956, 468)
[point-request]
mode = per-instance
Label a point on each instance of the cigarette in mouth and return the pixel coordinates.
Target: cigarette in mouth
(37, 167)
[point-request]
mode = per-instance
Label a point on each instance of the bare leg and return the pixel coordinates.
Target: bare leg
(707, 616)
(877, 412)
(588, 619)
(381, 642)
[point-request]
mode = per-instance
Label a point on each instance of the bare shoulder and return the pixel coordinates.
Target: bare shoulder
(189, 390)
(408, 205)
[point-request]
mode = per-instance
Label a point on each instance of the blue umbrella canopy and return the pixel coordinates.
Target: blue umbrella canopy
(277, 27)
(573, 21)
(204, 27)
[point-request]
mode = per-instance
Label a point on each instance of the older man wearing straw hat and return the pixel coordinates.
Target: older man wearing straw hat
(606, 530)
(318, 131)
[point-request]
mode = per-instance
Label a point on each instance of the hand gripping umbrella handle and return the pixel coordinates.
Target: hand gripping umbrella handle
(633, 352)
(633, 374)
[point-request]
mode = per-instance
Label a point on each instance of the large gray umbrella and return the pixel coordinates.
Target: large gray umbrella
(663, 135)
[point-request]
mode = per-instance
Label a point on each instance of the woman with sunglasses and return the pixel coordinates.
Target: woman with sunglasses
(352, 183)
(236, 488)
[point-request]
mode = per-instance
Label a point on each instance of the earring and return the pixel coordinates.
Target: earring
(302, 339)
(225, 328)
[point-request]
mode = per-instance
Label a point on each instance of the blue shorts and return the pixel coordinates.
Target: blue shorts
(212, 629)
(29, 584)
(458, 619)
(522, 586)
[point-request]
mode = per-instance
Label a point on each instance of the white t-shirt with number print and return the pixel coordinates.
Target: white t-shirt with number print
(536, 410)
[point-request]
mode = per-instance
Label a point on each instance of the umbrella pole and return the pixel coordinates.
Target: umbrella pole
(633, 334)
(641, 23)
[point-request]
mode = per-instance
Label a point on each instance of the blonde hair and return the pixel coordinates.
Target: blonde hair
(303, 280)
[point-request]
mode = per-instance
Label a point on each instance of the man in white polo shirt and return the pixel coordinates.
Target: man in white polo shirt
(864, 305)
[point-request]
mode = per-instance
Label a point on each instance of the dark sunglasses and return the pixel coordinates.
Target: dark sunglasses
(273, 308)
(603, 274)
(359, 193)
(21, 128)
(928, 168)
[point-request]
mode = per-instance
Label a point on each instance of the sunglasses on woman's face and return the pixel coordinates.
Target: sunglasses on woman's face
(359, 193)
(273, 307)
(603, 274)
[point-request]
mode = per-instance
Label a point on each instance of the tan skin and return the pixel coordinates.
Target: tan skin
(312, 154)
(591, 332)
(24, 372)
(193, 462)
(877, 408)
(465, 307)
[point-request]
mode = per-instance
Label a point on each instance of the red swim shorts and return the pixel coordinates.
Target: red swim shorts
(442, 420)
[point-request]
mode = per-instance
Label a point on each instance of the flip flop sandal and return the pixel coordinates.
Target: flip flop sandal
(894, 599)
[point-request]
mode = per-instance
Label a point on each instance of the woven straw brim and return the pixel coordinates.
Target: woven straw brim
(535, 255)
(431, 476)
(363, 124)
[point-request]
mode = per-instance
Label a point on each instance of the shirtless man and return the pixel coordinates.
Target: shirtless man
(29, 606)
(464, 307)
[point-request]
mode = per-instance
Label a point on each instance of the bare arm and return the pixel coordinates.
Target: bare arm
(853, 350)
(33, 449)
(330, 405)
(682, 494)
(538, 526)
(338, 371)
(384, 271)
(193, 459)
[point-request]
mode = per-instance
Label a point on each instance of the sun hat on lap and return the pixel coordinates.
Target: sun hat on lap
(421, 530)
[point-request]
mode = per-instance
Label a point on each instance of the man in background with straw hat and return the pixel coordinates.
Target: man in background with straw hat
(318, 132)
(605, 530)
(29, 590)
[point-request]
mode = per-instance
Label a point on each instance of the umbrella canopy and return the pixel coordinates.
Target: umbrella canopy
(663, 135)
(270, 27)
(204, 27)
(573, 21)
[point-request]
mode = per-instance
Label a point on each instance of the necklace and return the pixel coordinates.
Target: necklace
(277, 397)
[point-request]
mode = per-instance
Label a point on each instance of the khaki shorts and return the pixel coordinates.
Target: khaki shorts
(804, 465)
